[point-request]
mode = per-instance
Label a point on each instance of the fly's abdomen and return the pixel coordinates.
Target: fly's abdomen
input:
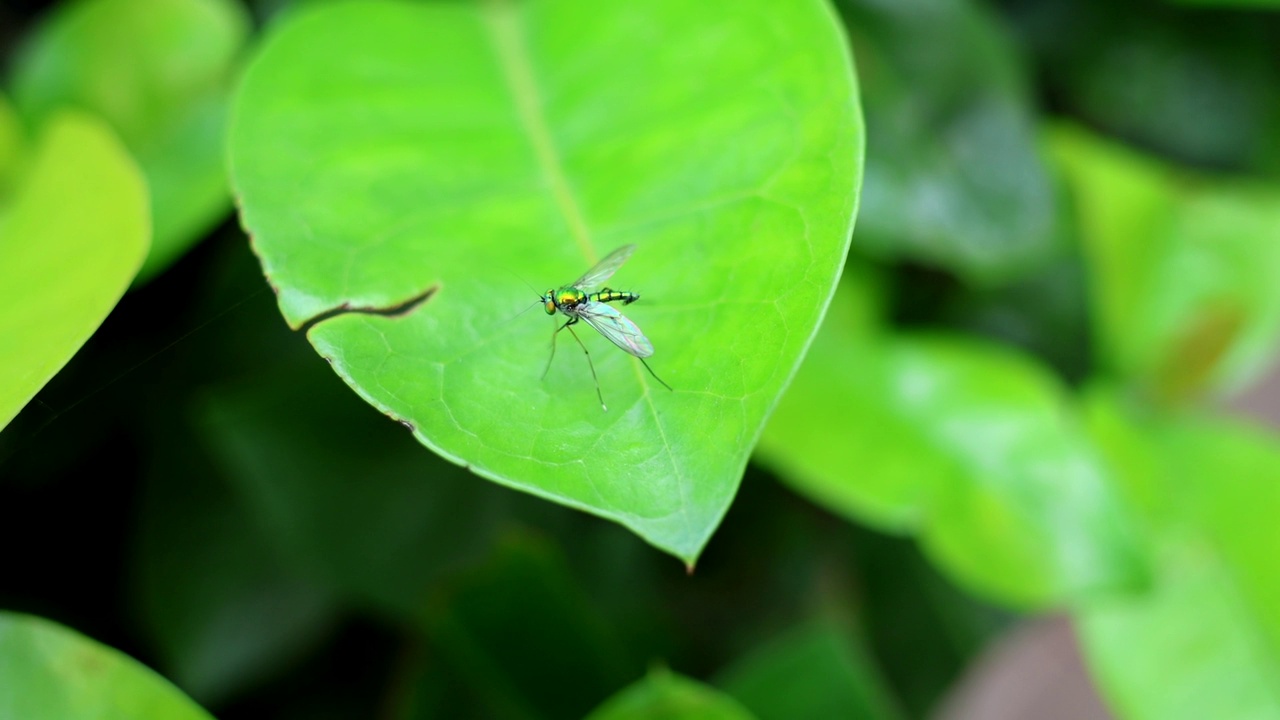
(624, 296)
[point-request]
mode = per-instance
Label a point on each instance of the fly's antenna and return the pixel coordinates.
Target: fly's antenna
(517, 276)
(531, 305)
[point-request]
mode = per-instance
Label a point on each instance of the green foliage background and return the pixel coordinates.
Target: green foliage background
(1002, 394)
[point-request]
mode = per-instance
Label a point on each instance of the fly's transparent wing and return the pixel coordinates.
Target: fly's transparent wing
(613, 325)
(595, 277)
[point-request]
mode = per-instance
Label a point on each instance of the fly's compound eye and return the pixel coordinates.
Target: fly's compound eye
(550, 306)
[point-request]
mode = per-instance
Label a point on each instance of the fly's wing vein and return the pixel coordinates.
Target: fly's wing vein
(603, 270)
(615, 326)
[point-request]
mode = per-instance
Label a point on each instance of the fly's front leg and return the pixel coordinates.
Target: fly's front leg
(555, 332)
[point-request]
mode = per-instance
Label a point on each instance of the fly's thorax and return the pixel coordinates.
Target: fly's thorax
(567, 298)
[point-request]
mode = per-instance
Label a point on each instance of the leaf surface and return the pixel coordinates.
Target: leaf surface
(814, 671)
(525, 142)
(159, 72)
(954, 175)
(72, 236)
(1184, 267)
(50, 671)
(1205, 641)
(663, 695)
(973, 447)
(219, 604)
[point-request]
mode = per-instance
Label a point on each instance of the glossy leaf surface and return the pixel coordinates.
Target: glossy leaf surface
(524, 142)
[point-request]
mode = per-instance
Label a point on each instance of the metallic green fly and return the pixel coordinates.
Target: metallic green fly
(580, 300)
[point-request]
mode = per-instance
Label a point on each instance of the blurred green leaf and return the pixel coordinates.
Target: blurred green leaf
(52, 672)
(813, 671)
(954, 177)
(536, 137)
(159, 71)
(1205, 642)
(664, 695)
(973, 447)
(11, 149)
(1183, 267)
(335, 484)
(1045, 313)
(224, 610)
(1231, 3)
(71, 238)
(923, 629)
(1197, 84)
(523, 639)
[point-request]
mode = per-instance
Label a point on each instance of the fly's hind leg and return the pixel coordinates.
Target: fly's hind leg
(590, 364)
(654, 374)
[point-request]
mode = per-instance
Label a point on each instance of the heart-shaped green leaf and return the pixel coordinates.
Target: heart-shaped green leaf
(52, 672)
(383, 151)
(159, 72)
(72, 237)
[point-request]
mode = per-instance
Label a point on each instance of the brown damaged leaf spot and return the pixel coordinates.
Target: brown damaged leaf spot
(1198, 351)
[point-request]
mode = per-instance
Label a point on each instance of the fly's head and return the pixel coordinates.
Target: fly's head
(549, 302)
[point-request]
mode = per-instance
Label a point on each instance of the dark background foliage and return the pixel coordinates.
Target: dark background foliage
(198, 490)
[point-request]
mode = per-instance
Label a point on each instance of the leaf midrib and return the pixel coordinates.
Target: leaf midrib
(502, 20)
(501, 17)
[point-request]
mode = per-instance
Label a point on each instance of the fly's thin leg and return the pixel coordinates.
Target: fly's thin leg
(590, 364)
(552, 356)
(654, 374)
